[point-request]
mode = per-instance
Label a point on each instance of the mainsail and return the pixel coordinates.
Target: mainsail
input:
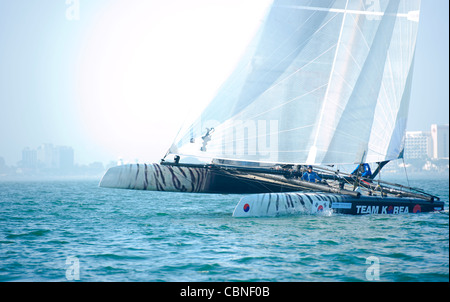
(322, 82)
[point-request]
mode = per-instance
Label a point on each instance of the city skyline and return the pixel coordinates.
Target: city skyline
(432, 144)
(45, 153)
(110, 80)
(51, 160)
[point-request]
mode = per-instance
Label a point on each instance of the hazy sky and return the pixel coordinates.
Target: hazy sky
(115, 78)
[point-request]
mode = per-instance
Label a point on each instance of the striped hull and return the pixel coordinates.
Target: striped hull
(276, 204)
(262, 200)
(155, 177)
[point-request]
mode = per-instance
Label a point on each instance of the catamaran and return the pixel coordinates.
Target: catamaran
(323, 83)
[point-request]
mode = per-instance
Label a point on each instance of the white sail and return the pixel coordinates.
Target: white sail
(323, 82)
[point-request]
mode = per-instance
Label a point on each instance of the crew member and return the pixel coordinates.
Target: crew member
(364, 170)
(311, 176)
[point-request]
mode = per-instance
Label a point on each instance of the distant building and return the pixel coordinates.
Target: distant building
(418, 145)
(45, 156)
(439, 135)
(29, 158)
(64, 158)
(48, 157)
(3, 167)
(428, 145)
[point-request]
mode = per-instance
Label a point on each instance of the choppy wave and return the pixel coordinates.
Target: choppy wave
(47, 228)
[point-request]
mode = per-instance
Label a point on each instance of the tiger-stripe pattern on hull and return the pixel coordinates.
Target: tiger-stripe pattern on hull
(155, 177)
(278, 204)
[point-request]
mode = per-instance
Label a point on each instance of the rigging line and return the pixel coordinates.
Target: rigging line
(289, 101)
(356, 138)
(401, 55)
(406, 173)
(296, 30)
(361, 32)
(271, 109)
(368, 47)
(297, 151)
(302, 44)
(366, 42)
(373, 144)
(351, 55)
(247, 55)
(388, 56)
(350, 136)
(324, 163)
(345, 11)
(377, 136)
(403, 50)
(389, 125)
(384, 112)
(394, 91)
(379, 180)
(244, 68)
(354, 115)
(329, 81)
(224, 136)
(391, 73)
(236, 74)
(383, 87)
(287, 78)
(412, 33)
(296, 71)
(290, 75)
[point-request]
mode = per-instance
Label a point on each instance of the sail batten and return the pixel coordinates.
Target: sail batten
(323, 82)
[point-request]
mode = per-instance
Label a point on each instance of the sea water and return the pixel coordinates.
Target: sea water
(73, 230)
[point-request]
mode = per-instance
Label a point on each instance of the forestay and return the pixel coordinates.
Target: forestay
(322, 82)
